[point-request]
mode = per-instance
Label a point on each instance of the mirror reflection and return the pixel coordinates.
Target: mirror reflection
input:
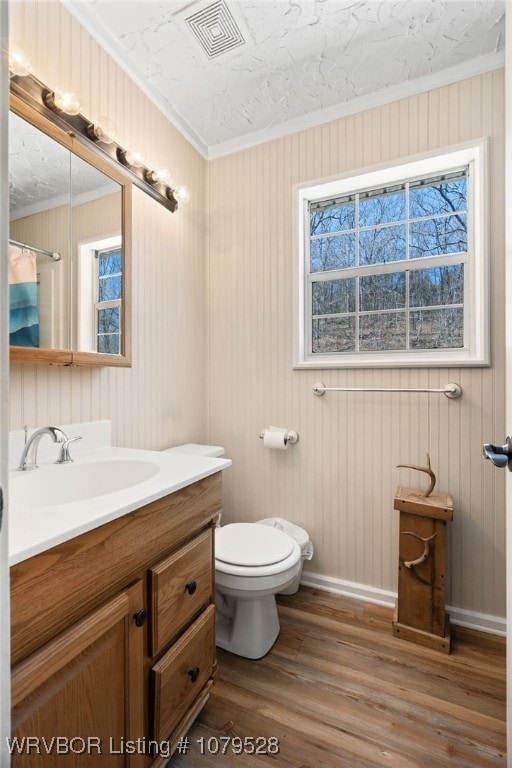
(97, 261)
(39, 233)
(66, 249)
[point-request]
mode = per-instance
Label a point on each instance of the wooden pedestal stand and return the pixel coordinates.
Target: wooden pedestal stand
(420, 610)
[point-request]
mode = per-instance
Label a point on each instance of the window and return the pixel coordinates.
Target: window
(100, 291)
(393, 265)
(107, 307)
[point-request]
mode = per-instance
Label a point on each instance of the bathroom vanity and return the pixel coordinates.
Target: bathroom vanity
(113, 635)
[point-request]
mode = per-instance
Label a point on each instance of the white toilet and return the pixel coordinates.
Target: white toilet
(252, 564)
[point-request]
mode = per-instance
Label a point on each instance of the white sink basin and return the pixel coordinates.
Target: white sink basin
(57, 502)
(68, 483)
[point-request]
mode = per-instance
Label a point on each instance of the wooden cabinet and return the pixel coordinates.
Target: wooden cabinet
(86, 664)
(113, 637)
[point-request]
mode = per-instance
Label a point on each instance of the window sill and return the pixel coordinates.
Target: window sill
(426, 360)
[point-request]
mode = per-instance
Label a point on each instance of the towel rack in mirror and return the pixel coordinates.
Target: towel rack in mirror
(55, 255)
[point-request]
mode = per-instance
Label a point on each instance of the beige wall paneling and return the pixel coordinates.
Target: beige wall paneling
(338, 482)
(160, 400)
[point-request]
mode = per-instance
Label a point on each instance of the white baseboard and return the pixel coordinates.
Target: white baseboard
(484, 622)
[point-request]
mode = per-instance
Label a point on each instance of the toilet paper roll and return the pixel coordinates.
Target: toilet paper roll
(275, 437)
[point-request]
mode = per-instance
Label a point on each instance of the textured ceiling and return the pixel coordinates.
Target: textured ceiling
(43, 174)
(302, 56)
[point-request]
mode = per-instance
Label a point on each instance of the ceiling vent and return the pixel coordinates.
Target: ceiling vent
(216, 29)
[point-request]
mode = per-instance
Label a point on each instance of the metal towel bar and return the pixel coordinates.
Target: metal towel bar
(451, 390)
(52, 254)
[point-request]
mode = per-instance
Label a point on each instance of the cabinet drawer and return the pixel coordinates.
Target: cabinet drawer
(180, 586)
(179, 677)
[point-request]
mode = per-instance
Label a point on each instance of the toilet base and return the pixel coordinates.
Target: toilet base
(247, 627)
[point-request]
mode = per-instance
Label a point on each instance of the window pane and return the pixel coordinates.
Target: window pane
(379, 246)
(433, 199)
(379, 332)
(381, 209)
(110, 263)
(437, 329)
(333, 219)
(333, 297)
(109, 344)
(333, 252)
(439, 285)
(388, 268)
(336, 334)
(109, 288)
(382, 291)
(436, 237)
(108, 320)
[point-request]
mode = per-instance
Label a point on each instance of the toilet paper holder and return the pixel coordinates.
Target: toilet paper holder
(290, 437)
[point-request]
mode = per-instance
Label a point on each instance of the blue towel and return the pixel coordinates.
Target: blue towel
(23, 311)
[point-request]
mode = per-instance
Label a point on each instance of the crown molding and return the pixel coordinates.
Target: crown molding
(463, 71)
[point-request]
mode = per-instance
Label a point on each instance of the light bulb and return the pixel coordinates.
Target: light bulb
(104, 130)
(182, 194)
(63, 101)
(135, 157)
(19, 63)
(160, 176)
(163, 176)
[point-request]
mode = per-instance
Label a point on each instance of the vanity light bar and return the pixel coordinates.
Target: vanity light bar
(34, 93)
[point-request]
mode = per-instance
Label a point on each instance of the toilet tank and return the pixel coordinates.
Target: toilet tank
(197, 450)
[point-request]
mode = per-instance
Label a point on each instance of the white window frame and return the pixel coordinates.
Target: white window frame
(475, 352)
(99, 305)
(87, 288)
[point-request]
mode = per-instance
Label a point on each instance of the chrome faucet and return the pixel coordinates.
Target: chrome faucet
(29, 454)
(64, 455)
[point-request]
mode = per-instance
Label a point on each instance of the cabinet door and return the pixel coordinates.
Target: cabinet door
(78, 700)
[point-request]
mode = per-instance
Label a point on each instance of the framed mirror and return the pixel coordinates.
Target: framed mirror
(69, 247)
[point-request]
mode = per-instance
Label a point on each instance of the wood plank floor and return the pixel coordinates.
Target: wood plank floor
(339, 691)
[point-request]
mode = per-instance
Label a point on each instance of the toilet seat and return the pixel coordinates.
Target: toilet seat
(262, 551)
(246, 545)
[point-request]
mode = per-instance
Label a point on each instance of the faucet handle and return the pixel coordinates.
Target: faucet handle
(64, 455)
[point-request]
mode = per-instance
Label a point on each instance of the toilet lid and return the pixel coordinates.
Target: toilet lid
(248, 544)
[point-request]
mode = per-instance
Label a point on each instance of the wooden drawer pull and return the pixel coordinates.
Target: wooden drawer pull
(194, 674)
(191, 587)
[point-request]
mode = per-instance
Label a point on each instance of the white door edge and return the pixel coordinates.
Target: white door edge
(5, 672)
(508, 336)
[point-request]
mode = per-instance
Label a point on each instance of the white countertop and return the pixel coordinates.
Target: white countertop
(34, 529)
